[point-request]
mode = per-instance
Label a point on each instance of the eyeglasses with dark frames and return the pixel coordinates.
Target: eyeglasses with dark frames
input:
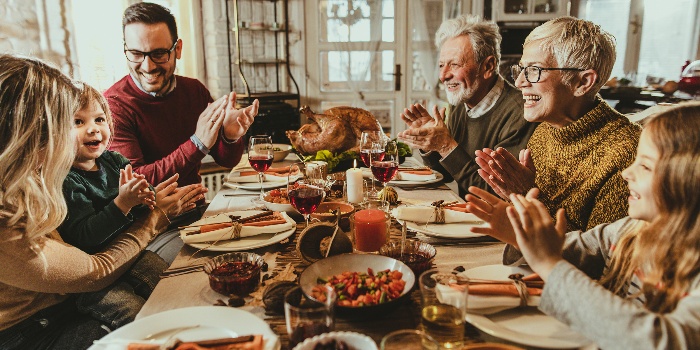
(533, 73)
(157, 56)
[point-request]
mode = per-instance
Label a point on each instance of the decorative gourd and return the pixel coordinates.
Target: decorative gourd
(389, 194)
(322, 239)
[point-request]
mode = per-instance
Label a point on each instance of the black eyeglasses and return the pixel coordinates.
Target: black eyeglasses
(533, 73)
(157, 56)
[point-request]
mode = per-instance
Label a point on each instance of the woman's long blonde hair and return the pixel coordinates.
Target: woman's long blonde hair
(37, 105)
(666, 251)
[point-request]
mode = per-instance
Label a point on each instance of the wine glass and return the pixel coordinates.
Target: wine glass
(385, 168)
(372, 148)
(260, 155)
(305, 188)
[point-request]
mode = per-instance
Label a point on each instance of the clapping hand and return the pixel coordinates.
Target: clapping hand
(539, 238)
(237, 121)
(491, 209)
(133, 190)
(173, 200)
(210, 120)
(428, 133)
(505, 174)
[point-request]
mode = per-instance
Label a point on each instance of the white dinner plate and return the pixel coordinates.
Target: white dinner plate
(449, 231)
(207, 322)
(266, 185)
(244, 243)
(528, 325)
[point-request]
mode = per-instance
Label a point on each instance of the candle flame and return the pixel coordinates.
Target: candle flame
(354, 163)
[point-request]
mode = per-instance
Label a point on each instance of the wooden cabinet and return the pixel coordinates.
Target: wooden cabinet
(529, 10)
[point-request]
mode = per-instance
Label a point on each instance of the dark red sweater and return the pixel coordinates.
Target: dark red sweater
(154, 132)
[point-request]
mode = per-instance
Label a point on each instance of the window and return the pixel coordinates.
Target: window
(654, 38)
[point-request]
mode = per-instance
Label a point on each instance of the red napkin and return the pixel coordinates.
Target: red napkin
(275, 219)
(417, 172)
(279, 171)
(458, 207)
(247, 342)
(533, 282)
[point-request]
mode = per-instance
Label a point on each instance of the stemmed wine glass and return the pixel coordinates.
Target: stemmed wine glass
(260, 155)
(384, 169)
(372, 148)
(305, 188)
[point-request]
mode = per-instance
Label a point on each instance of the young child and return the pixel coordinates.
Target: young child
(647, 264)
(104, 197)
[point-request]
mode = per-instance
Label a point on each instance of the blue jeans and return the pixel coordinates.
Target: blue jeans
(57, 327)
(169, 243)
(119, 303)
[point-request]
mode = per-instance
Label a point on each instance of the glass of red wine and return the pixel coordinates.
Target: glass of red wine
(372, 145)
(260, 155)
(305, 187)
(384, 169)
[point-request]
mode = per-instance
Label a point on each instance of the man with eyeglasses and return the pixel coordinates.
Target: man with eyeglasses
(577, 153)
(166, 124)
(485, 110)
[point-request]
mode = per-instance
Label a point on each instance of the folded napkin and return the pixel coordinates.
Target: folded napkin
(271, 175)
(456, 213)
(415, 175)
(489, 298)
(222, 230)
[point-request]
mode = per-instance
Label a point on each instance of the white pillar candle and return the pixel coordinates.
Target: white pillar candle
(354, 182)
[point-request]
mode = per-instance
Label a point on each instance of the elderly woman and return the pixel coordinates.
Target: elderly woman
(576, 155)
(39, 270)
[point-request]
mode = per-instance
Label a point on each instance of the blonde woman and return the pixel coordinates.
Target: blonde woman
(647, 264)
(39, 270)
(581, 145)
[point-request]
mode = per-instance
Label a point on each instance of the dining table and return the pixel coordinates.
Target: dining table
(192, 288)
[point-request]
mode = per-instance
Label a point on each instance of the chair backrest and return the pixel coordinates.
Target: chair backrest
(643, 116)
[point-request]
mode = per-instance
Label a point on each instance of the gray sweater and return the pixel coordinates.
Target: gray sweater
(573, 297)
(502, 126)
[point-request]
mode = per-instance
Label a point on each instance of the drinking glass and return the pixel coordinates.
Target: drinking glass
(306, 317)
(305, 188)
(444, 306)
(260, 156)
(372, 148)
(385, 168)
(409, 339)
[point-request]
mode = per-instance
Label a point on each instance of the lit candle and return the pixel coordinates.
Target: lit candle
(370, 229)
(353, 179)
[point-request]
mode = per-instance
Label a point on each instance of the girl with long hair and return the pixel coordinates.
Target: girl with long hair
(647, 265)
(39, 270)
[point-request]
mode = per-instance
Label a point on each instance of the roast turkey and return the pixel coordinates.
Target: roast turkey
(337, 130)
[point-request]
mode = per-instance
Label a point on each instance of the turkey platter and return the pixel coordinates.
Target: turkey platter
(337, 130)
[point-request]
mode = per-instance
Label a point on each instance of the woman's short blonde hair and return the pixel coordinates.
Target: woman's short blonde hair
(577, 43)
(37, 104)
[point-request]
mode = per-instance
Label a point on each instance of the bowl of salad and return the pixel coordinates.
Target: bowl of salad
(367, 285)
(280, 151)
(278, 200)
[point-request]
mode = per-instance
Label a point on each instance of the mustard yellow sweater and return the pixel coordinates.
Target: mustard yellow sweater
(579, 166)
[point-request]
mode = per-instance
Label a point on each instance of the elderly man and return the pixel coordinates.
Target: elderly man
(163, 123)
(155, 112)
(485, 110)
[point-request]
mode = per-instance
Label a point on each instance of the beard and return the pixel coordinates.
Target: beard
(463, 94)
